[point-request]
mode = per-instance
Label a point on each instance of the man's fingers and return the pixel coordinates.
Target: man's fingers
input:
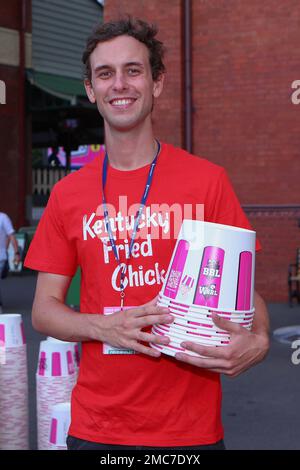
(220, 352)
(151, 338)
(146, 350)
(150, 310)
(227, 325)
(154, 319)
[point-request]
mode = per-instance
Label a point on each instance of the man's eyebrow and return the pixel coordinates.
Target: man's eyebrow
(101, 67)
(127, 64)
(139, 64)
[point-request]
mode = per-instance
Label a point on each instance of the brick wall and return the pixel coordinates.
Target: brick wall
(245, 57)
(279, 236)
(168, 112)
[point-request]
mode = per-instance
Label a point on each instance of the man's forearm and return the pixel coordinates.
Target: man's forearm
(261, 323)
(53, 318)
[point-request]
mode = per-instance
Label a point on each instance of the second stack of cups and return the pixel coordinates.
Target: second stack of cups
(14, 432)
(211, 270)
(55, 379)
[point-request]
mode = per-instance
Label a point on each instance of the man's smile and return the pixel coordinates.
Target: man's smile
(122, 102)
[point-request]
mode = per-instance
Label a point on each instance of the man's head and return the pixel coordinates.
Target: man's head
(124, 72)
(137, 29)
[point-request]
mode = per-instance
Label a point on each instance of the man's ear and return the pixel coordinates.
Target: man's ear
(158, 85)
(89, 90)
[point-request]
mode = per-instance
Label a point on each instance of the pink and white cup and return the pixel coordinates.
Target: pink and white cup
(55, 359)
(11, 330)
(59, 425)
(74, 347)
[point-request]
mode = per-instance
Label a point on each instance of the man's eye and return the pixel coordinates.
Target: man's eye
(104, 74)
(133, 71)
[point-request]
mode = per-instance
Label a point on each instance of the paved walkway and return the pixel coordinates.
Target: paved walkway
(261, 408)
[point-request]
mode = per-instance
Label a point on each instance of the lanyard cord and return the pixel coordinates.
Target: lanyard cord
(137, 215)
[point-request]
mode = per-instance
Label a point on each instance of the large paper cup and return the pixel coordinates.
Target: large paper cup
(60, 423)
(212, 266)
(55, 359)
(11, 330)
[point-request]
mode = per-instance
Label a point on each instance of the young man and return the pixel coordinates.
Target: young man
(140, 398)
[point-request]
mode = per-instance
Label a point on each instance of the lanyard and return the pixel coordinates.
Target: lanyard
(137, 216)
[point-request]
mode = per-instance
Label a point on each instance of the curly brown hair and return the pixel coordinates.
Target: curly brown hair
(134, 27)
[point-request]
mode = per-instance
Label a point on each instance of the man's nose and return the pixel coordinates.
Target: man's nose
(120, 81)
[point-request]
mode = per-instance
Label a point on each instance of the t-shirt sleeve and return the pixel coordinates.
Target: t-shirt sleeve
(51, 250)
(226, 208)
(7, 225)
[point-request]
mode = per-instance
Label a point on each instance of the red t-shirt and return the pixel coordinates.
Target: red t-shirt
(133, 399)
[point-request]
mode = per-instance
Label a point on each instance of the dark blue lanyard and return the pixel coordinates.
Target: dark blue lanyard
(137, 215)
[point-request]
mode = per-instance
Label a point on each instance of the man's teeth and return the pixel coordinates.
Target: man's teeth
(122, 102)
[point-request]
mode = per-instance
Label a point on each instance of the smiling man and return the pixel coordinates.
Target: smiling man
(109, 218)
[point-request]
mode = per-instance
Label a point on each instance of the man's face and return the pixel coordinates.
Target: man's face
(122, 83)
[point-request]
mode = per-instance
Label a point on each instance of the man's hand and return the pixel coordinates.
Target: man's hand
(246, 348)
(124, 329)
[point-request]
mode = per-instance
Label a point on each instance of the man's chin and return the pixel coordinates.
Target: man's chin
(124, 125)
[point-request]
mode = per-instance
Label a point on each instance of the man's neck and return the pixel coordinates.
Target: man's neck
(130, 150)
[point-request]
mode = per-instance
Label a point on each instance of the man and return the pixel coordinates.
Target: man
(6, 237)
(127, 393)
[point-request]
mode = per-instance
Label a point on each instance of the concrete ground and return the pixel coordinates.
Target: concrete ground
(261, 408)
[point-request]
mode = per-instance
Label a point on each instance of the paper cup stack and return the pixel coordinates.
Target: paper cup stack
(13, 384)
(55, 379)
(211, 270)
(59, 426)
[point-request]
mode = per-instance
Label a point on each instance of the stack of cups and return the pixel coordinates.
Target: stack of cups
(13, 384)
(59, 426)
(55, 379)
(211, 270)
(75, 351)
